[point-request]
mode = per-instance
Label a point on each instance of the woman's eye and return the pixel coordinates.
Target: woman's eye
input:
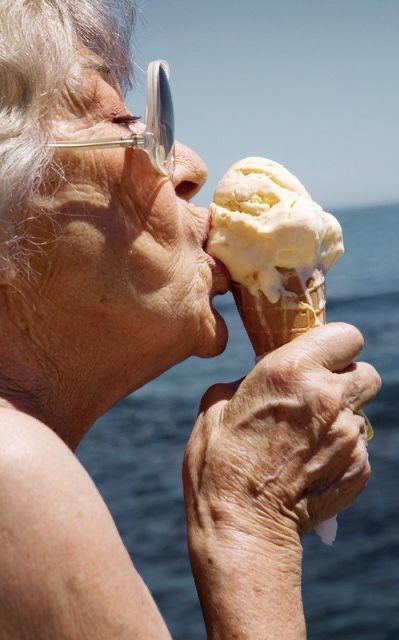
(126, 120)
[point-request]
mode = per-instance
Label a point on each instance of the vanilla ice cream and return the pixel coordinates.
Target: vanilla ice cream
(263, 220)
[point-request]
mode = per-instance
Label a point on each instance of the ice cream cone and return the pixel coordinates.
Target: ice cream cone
(270, 325)
(269, 232)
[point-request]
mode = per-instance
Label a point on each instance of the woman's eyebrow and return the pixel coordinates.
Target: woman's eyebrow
(105, 72)
(100, 67)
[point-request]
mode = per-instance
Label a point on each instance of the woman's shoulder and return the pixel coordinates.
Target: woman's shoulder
(29, 451)
(62, 562)
(23, 437)
(39, 472)
(43, 486)
(32, 456)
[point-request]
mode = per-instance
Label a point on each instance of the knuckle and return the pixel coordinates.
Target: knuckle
(282, 368)
(349, 443)
(366, 471)
(357, 473)
(329, 394)
(373, 377)
(353, 389)
(360, 461)
(351, 333)
(362, 472)
(364, 384)
(377, 381)
(347, 429)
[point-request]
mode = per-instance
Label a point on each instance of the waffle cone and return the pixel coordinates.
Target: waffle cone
(270, 325)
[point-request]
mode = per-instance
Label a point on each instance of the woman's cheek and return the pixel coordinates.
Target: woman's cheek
(151, 266)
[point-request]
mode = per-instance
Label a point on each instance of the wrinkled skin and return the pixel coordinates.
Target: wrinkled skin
(118, 271)
(283, 450)
(269, 458)
(119, 290)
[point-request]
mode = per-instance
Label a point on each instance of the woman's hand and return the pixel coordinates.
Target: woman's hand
(276, 454)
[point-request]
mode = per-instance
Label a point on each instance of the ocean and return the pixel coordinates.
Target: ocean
(134, 455)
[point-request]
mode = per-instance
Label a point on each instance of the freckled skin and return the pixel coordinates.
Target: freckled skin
(117, 291)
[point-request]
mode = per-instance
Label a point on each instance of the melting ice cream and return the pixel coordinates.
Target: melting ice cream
(264, 222)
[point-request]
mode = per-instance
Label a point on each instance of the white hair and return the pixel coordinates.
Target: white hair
(39, 44)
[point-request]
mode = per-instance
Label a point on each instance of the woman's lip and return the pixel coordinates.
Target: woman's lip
(207, 226)
(220, 273)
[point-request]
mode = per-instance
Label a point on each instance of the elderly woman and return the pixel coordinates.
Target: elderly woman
(105, 285)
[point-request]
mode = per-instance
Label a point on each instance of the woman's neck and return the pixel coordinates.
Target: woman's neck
(57, 372)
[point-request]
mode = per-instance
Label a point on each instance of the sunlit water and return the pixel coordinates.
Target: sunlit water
(134, 454)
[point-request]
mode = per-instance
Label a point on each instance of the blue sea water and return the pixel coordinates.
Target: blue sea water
(134, 454)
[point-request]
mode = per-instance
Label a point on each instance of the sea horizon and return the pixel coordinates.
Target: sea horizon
(134, 454)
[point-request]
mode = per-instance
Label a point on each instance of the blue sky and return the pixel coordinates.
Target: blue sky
(313, 84)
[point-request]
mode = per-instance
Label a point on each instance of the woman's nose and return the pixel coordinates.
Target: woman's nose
(190, 172)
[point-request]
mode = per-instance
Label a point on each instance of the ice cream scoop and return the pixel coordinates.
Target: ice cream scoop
(264, 222)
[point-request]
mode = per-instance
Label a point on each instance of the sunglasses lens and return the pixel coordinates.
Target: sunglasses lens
(166, 118)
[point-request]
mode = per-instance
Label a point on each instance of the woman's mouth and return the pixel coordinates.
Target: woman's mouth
(221, 276)
(207, 226)
(219, 270)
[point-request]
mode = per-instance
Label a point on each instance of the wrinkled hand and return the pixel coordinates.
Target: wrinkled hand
(277, 453)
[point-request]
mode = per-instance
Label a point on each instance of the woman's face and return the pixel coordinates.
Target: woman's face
(128, 260)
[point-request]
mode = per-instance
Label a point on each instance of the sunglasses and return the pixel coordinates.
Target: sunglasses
(158, 139)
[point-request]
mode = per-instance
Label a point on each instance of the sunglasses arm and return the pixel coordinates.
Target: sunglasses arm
(145, 142)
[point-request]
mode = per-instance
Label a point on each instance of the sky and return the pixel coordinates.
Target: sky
(313, 84)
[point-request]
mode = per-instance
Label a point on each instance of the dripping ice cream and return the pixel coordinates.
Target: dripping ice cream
(277, 244)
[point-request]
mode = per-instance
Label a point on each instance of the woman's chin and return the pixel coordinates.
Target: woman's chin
(215, 335)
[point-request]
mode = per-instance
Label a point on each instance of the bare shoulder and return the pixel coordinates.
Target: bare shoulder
(23, 439)
(64, 571)
(38, 469)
